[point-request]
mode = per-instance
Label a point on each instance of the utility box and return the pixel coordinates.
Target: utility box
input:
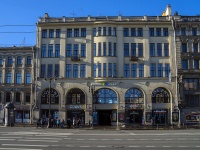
(9, 114)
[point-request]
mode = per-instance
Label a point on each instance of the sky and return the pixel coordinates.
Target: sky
(18, 18)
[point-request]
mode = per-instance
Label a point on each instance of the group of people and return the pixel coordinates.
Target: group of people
(60, 123)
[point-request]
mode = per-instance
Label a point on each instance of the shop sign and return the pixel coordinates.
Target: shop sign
(159, 111)
(105, 84)
(75, 107)
(135, 106)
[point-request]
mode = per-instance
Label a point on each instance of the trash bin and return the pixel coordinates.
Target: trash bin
(9, 114)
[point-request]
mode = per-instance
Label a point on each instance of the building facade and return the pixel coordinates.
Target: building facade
(107, 70)
(188, 61)
(16, 78)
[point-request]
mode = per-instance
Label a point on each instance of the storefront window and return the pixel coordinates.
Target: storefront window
(54, 97)
(160, 95)
(105, 96)
(134, 96)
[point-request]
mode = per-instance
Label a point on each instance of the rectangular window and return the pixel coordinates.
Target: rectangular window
(83, 50)
(114, 70)
(75, 70)
(158, 31)
(126, 32)
(114, 49)
(104, 70)
(109, 31)
(99, 69)
(194, 31)
(57, 33)
(109, 69)
(43, 53)
(28, 60)
(17, 97)
(76, 32)
(19, 60)
(133, 49)
(99, 31)
(28, 78)
(141, 70)
(192, 101)
(83, 32)
(51, 33)
(99, 49)
(133, 70)
(9, 78)
(160, 70)
(195, 47)
(152, 49)
(94, 32)
(140, 32)
(126, 70)
(57, 70)
(153, 70)
(165, 32)
(114, 32)
(191, 84)
(57, 50)
(167, 70)
(69, 32)
(133, 32)
(104, 48)
(43, 71)
(95, 70)
(18, 78)
(68, 70)
(126, 49)
(196, 64)
(159, 49)
(8, 97)
(185, 64)
(94, 47)
(44, 33)
(151, 31)
(110, 49)
(184, 47)
(183, 31)
(83, 71)
(166, 49)
(28, 98)
(50, 70)
(140, 49)
(9, 61)
(1, 61)
(104, 31)
(69, 50)
(76, 47)
(50, 50)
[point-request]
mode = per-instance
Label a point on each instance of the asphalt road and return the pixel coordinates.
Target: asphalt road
(27, 138)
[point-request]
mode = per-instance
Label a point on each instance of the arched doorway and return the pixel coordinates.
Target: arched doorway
(134, 100)
(104, 113)
(49, 104)
(160, 97)
(75, 102)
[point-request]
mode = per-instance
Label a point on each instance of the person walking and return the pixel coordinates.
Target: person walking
(68, 123)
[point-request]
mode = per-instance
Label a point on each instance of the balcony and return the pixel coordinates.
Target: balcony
(134, 58)
(75, 58)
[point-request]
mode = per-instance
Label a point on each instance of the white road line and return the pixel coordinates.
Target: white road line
(133, 146)
(101, 146)
(197, 146)
(7, 139)
(30, 138)
(11, 137)
(168, 139)
(19, 149)
(37, 140)
(67, 138)
(182, 146)
(25, 145)
(69, 146)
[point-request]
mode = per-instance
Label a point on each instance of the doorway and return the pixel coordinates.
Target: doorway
(105, 117)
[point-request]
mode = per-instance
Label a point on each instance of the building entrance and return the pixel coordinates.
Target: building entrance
(105, 117)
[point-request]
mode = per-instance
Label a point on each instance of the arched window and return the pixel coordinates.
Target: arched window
(134, 96)
(105, 96)
(75, 96)
(9, 60)
(54, 98)
(160, 95)
(19, 60)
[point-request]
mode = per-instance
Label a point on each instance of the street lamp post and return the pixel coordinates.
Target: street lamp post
(49, 97)
(92, 91)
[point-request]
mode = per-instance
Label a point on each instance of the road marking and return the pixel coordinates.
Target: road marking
(168, 139)
(182, 146)
(197, 146)
(7, 139)
(133, 146)
(11, 137)
(37, 140)
(67, 138)
(25, 145)
(69, 146)
(80, 139)
(167, 146)
(143, 139)
(32, 138)
(130, 139)
(117, 139)
(101, 146)
(19, 149)
(156, 139)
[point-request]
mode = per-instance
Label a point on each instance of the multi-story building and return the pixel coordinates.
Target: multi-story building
(16, 78)
(188, 61)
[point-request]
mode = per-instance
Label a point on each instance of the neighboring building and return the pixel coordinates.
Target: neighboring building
(16, 78)
(188, 62)
(125, 64)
